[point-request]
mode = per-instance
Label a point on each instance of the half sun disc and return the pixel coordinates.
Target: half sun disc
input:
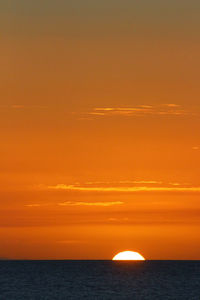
(128, 255)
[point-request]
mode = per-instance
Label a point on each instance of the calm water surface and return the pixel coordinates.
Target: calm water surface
(149, 280)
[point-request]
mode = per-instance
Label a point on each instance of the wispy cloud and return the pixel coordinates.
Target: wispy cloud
(121, 182)
(33, 205)
(140, 110)
(81, 203)
(171, 105)
(171, 187)
(22, 106)
(118, 219)
(147, 182)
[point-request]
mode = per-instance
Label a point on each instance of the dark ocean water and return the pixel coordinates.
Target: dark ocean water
(99, 280)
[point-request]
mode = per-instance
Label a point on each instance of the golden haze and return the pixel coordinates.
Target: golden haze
(100, 131)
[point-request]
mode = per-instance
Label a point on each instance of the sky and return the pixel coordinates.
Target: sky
(99, 127)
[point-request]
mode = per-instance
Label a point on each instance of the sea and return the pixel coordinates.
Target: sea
(144, 280)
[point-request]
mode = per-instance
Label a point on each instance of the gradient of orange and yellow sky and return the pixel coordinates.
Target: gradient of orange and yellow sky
(100, 131)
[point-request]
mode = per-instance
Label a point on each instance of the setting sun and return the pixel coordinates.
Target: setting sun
(128, 255)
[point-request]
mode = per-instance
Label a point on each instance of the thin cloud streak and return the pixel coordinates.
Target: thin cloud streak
(32, 205)
(147, 182)
(22, 106)
(69, 203)
(123, 182)
(141, 110)
(123, 189)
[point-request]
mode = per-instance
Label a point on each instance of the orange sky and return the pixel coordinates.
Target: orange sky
(100, 131)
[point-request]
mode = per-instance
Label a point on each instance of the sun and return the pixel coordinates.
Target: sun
(128, 255)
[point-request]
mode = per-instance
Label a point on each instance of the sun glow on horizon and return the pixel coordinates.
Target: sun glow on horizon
(128, 255)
